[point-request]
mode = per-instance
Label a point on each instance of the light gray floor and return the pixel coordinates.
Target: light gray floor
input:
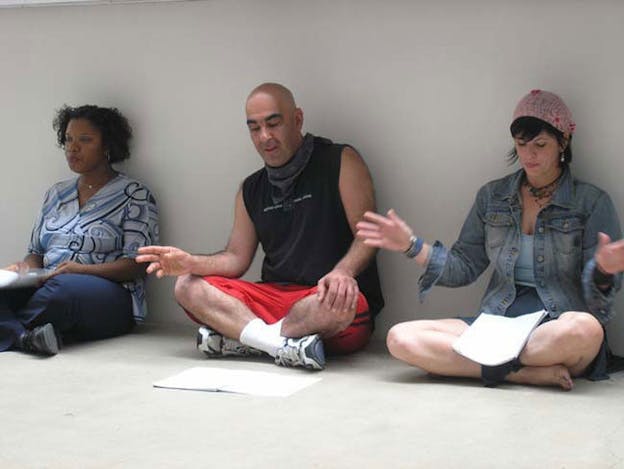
(93, 405)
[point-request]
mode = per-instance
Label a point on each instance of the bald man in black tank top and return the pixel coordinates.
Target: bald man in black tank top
(320, 288)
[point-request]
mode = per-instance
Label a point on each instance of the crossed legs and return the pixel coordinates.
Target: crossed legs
(210, 306)
(79, 307)
(556, 352)
(226, 313)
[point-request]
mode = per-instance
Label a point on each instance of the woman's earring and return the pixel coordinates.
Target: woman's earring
(562, 159)
(108, 156)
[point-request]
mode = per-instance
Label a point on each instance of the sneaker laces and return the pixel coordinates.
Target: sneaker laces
(290, 353)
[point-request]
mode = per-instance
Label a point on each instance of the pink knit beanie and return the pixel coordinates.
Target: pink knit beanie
(548, 107)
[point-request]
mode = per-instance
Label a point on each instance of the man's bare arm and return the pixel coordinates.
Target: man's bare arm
(338, 289)
(232, 262)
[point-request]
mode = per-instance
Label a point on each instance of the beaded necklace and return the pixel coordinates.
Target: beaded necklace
(544, 192)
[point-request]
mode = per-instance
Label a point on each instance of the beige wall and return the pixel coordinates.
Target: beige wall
(423, 89)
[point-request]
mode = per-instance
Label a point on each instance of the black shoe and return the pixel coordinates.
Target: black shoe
(41, 340)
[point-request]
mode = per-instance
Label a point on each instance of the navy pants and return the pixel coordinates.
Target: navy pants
(80, 307)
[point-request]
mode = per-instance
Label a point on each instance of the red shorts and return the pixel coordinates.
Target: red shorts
(272, 302)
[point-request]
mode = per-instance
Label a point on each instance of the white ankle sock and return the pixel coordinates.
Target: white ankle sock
(262, 336)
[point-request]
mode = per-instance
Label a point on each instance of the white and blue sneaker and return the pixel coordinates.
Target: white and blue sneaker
(306, 352)
(215, 345)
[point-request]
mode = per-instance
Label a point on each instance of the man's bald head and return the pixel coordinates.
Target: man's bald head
(274, 123)
(279, 92)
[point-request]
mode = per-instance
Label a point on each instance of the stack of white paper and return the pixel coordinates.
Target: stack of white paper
(7, 277)
(30, 278)
(256, 383)
(493, 340)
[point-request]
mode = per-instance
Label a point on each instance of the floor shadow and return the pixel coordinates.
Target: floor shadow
(421, 377)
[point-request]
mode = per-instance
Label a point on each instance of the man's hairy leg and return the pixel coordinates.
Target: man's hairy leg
(228, 315)
(309, 316)
(220, 311)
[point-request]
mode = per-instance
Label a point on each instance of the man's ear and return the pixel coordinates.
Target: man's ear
(299, 118)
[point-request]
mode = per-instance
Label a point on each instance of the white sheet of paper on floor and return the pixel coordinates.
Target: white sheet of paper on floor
(493, 340)
(255, 383)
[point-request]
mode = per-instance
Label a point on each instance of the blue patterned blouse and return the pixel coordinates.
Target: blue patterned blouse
(121, 217)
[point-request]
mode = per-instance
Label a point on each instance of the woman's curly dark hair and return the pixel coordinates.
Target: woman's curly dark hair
(114, 127)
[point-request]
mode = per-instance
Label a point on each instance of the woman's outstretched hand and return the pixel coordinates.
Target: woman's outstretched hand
(609, 254)
(387, 232)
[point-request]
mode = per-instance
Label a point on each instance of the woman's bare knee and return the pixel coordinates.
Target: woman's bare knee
(401, 339)
(393, 340)
(575, 339)
(406, 337)
(582, 329)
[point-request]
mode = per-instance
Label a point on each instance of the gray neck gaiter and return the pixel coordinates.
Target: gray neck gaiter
(283, 179)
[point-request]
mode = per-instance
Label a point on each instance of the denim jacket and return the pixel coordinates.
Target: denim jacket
(565, 238)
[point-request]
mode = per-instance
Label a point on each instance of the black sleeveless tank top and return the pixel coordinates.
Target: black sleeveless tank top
(304, 237)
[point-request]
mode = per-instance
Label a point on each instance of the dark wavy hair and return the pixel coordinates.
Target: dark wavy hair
(527, 128)
(114, 127)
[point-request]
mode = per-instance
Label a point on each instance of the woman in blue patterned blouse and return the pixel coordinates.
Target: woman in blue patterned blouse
(86, 236)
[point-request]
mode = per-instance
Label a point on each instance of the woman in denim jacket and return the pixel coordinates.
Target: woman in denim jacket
(548, 236)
